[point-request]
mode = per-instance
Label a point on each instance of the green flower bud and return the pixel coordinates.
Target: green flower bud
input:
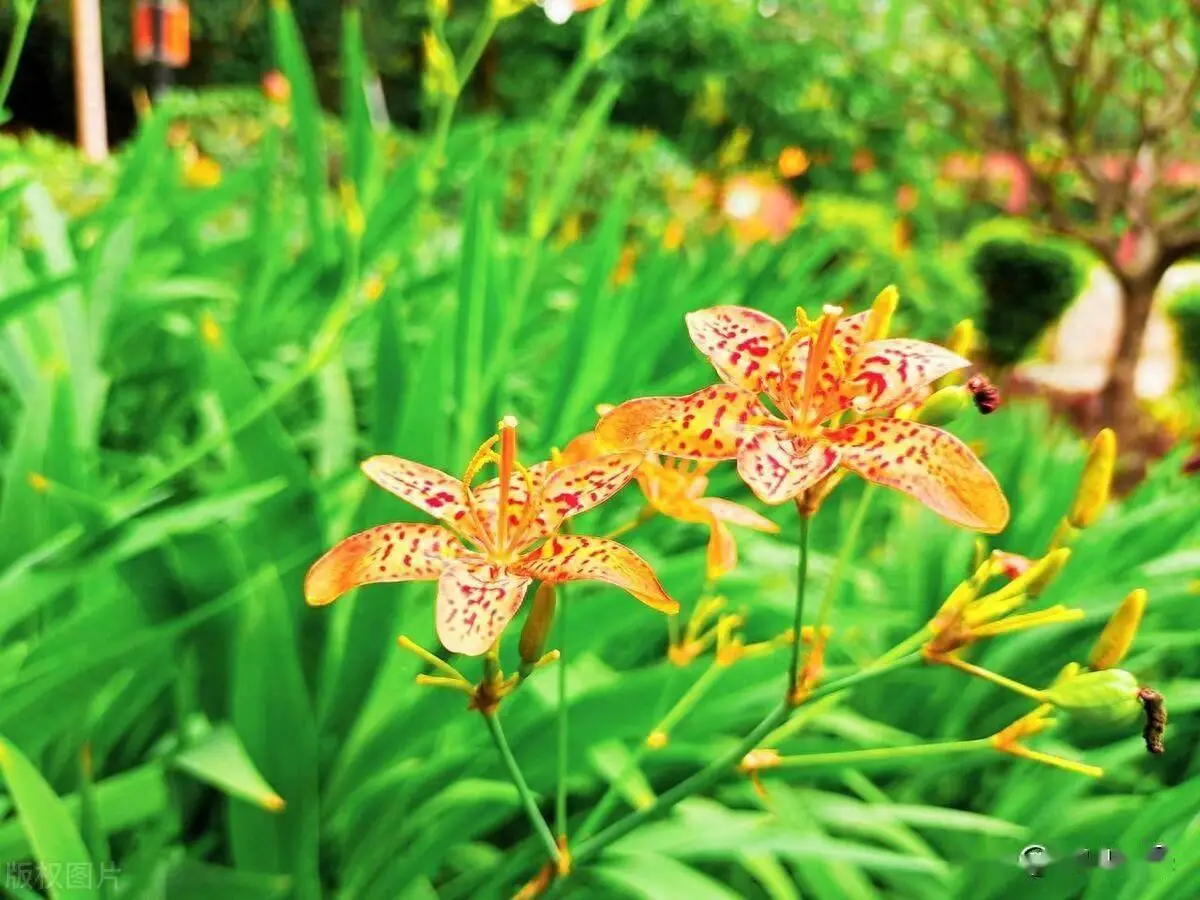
(944, 406)
(538, 625)
(1107, 699)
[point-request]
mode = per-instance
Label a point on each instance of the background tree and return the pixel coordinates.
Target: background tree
(1090, 108)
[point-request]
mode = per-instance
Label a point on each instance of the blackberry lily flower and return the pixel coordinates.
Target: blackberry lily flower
(493, 541)
(814, 375)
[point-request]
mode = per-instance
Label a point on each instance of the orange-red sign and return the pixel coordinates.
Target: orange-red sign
(161, 32)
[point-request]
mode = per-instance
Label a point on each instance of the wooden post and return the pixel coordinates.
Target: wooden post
(90, 117)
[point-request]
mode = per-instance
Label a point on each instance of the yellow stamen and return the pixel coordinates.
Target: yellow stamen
(816, 356)
(482, 456)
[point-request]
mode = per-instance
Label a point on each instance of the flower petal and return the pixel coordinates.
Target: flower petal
(890, 372)
(736, 514)
(572, 557)
(427, 488)
(580, 486)
(932, 465)
(402, 551)
(475, 601)
(708, 424)
(738, 341)
(721, 556)
(778, 468)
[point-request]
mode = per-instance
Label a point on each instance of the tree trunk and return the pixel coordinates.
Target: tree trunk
(1119, 407)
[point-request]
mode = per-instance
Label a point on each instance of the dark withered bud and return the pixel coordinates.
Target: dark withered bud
(1191, 465)
(985, 394)
(1156, 719)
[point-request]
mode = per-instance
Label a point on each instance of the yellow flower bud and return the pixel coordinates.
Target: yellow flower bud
(538, 624)
(1118, 634)
(1106, 699)
(1092, 495)
(1034, 579)
(880, 319)
(502, 9)
(962, 338)
(944, 406)
(439, 65)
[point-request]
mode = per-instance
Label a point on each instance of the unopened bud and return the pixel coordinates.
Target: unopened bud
(656, 740)
(962, 339)
(1105, 699)
(1094, 484)
(1066, 673)
(943, 406)
(538, 624)
(1156, 719)
(1036, 578)
(882, 310)
(502, 9)
(759, 758)
(439, 65)
(1118, 634)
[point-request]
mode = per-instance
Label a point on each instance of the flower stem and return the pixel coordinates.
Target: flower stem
(688, 701)
(801, 581)
(560, 793)
(881, 755)
(710, 773)
(848, 549)
(610, 796)
(518, 780)
(988, 675)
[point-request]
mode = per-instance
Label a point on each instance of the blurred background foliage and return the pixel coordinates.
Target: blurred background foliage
(201, 336)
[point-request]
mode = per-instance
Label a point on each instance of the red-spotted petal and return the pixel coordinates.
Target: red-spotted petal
(932, 465)
(475, 601)
(777, 468)
(886, 373)
(738, 341)
(399, 552)
(580, 486)
(708, 424)
(427, 488)
(736, 514)
(572, 557)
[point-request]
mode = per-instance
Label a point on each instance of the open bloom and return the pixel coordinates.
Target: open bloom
(676, 490)
(495, 539)
(812, 376)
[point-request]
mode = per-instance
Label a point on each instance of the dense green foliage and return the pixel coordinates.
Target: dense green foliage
(188, 378)
(1184, 310)
(1027, 281)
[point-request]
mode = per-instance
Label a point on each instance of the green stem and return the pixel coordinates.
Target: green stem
(445, 114)
(691, 697)
(881, 755)
(518, 780)
(848, 549)
(710, 773)
(16, 43)
(560, 795)
(797, 622)
(610, 796)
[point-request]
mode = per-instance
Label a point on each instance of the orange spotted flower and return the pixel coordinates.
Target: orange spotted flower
(814, 374)
(677, 491)
(493, 541)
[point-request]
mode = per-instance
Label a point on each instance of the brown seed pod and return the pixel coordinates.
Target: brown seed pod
(985, 394)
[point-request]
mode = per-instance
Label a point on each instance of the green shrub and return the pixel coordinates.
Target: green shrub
(1184, 310)
(933, 279)
(1027, 283)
